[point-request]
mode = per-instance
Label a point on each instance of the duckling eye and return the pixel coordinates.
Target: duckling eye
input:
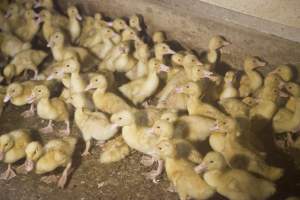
(120, 118)
(96, 80)
(56, 72)
(68, 65)
(198, 70)
(158, 127)
(13, 91)
(187, 86)
(39, 91)
(168, 119)
(211, 161)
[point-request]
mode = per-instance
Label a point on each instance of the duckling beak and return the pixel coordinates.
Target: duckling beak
(200, 168)
(226, 43)
(283, 94)
(89, 87)
(30, 99)
(1, 155)
(170, 52)
(164, 68)
(179, 90)
(50, 44)
(151, 131)
(29, 164)
(261, 63)
(216, 127)
(78, 17)
(114, 126)
(109, 24)
(6, 98)
(37, 4)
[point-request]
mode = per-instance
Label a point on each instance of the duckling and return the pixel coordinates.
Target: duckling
(11, 45)
(74, 23)
(138, 90)
(94, 125)
(182, 175)
(234, 184)
(25, 60)
(50, 109)
(229, 91)
(235, 107)
(106, 101)
(62, 52)
(118, 25)
(135, 23)
(159, 37)
(12, 149)
(284, 71)
(56, 153)
(213, 54)
(241, 157)
(114, 150)
(252, 80)
(191, 127)
(162, 49)
(177, 64)
(294, 90)
(196, 106)
(14, 16)
(29, 29)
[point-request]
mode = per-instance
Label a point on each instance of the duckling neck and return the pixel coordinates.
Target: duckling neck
(213, 56)
(212, 177)
(255, 79)
(57, 51)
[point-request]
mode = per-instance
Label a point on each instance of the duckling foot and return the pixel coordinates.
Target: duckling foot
(49, 179)
(21, 169)
(87, 149)
(147, 161)
(155, 173)
(63, 179)
(171, 188)
(47, 129)
(66, 132)
(8, 174)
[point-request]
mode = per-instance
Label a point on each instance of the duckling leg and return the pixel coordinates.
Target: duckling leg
(8, 174)
(63, 179)
(87, 148)
(29, 113)
(48, 128)
(147, 160)
(66, 132)
(155, 173)
(36, 73)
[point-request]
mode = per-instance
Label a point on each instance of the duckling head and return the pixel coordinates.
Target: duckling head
(9, 72)
(98, 82)
(166, 149)
(191, 60)
(71, 65)
(250, 101)
(293, 89)
(38, 92)
(163, 129)
(57, 73)
(98, 16)
(108, 33)
(6, 143)
(45, 15)
(177, 59)
(169, 116)
(229, 77)
(284, 72)
(73, 13)
(162, 49)
(129, 34)
(34, 151)
(135, 22)
(13, 90)
(251, 63)
(212, 161)
(217, 42)
(118, 24)
(159, 37)
(123, 118)
(157, 66)
(56, 39)
(12, 10)
(191, 89)
(217, 142)
(199, 73)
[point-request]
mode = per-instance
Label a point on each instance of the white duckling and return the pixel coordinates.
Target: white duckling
(12, 149)
(181, 173)
(234, 184)
(138, 90)
(74, 23)
(106, 101)
(56, 153)
(252, 80)
(229, 91)
(52, 109)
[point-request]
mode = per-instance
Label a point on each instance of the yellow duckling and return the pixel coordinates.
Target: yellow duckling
(240, 157)
(284, 71)
(12, 149)
(229, 91)
(11, 45)
(74, 23)
(181, 173)
(138, 90)
(25, 60)
(62, 52)
(159, 37)
(252, 80)
(195, 105)
(118, 25)
(56, 153)
(50, 109)
(94, 125)
(29, 29)
(106, 101)
(162, 49)
(294, 90)
(234, 184)
(135, 22)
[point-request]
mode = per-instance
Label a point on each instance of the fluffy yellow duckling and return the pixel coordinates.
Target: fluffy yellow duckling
(159, 37)
(62, 52)
(94, 125)
(229, 91)
(114, 150)
(195, 105)
(118, 25)
(234, 184)
(241, 157)
(294, 90)
(74, 23)
(252, 80)
(181, 173)
(11, 45)
(138, 90)
(53, 109)
(25, 60)
(191, 127)
(31, 26)
(106, 101)
(135, 22)
(12, 149)
(56, 153)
